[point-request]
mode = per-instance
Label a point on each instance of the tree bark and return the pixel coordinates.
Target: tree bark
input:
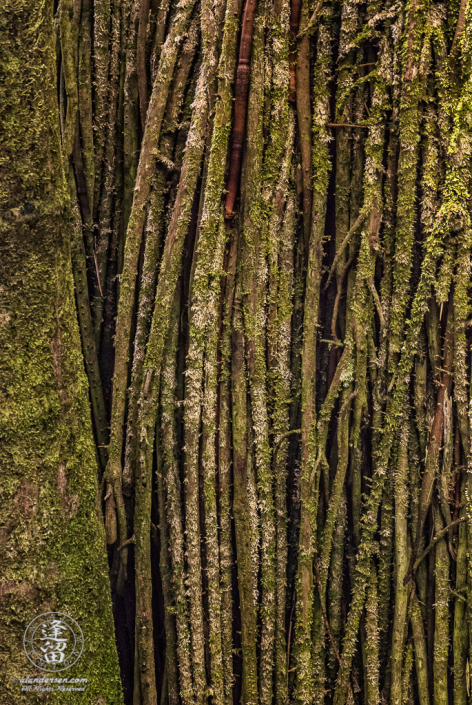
(53, 545)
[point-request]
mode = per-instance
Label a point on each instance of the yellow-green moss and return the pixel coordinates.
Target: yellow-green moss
(52, 538)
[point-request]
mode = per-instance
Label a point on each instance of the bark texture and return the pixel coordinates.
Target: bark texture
(272, 257)
(53, 552)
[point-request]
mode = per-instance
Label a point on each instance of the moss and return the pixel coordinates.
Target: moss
(309, 668)
(401, 566)
(245, 530)
(460, 635)
(441, 621)
(172, 491)
(392, 225)
(54, 546)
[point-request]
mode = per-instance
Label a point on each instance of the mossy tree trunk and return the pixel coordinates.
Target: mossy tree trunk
(271, 249)
(53, 550)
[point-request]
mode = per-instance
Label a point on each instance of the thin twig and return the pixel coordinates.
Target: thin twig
(378, 305)
(313, 19)
(282, 438)
(358, 222)
(432, 544)
(127, 542)
(348, 124)
(325, 617)
(96, 267)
